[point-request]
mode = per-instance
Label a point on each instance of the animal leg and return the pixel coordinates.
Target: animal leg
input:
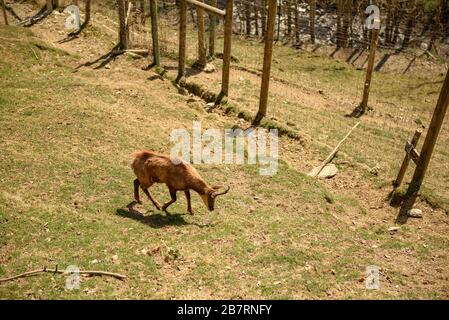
(189, 204)
(173, 199)
(136, 191)
(157, 205)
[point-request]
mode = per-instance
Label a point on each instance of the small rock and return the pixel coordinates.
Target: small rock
(415, 213)
(209, 68)
(328, 172)
(114, 257)
(95, 261)
(251, 209)
(393, 229)
(375, 171)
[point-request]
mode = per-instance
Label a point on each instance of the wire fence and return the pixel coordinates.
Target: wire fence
(332, 28)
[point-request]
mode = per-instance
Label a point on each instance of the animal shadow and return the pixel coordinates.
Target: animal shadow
(156, 220)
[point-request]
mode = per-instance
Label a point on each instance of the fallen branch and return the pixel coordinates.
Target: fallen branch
(316, 171)
(137, 51)
(54, 271)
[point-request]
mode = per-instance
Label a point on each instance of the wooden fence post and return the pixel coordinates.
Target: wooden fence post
(155, 32)
(397, 183)
(212, 23)
(369, 71)
(312, 20)
(143, 12)
(123, 31)
(182, 39)
(269, 37)
(49, 6)
(88, 10)
(4, 11)
(226, 51)
(201, 42)
(431, 139)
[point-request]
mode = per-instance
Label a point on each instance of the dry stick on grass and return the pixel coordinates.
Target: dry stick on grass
(316, 171)
(45, 270)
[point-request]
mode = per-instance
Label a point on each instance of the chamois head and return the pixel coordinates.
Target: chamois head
(211, 194)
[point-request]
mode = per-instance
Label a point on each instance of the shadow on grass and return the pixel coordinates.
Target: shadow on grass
(156, 220)
(103, 60)
(405, 202)
(356, 113)
(41, 15)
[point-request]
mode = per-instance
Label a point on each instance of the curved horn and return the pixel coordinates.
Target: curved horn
(216, 194)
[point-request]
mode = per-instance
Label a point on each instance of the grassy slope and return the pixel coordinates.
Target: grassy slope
(319, 93)
(65, 182)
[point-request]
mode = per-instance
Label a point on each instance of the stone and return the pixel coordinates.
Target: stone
(415, 213)
(209, 68)
(329, 171)
(375, 170)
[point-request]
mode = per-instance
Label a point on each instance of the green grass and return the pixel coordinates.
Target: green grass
(66, 140)
(315, 93)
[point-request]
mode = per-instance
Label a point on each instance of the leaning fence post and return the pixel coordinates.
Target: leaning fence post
(182, 40)
(431, 139)
(397, 183)
(269, 37)
(201, 43)
(155, 32)
(4, 11)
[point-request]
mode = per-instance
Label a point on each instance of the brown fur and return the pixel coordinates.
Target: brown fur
(151, 167)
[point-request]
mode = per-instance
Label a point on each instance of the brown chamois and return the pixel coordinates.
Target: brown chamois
(151, 167)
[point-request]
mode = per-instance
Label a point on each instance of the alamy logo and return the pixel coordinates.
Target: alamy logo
(207, 147)
(373, 20)
(73, 21)
(372, 279)
(72, 282)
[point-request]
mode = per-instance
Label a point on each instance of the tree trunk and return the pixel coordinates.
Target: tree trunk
(143, 12)
(288, 11)
(443, 17)
(248, 18)
(344, 10)
(312, 13)
(263, 16)
(88, 9)
(339, 30)
(256, 17)
(212, 25)
(279, 20)
(410, 23)
(123, 31)
(389, 22)
(5, 17)
(297, 26)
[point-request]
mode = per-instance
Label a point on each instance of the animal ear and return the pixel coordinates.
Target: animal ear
(217, 193)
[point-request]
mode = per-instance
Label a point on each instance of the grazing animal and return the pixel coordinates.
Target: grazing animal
(151, 167)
